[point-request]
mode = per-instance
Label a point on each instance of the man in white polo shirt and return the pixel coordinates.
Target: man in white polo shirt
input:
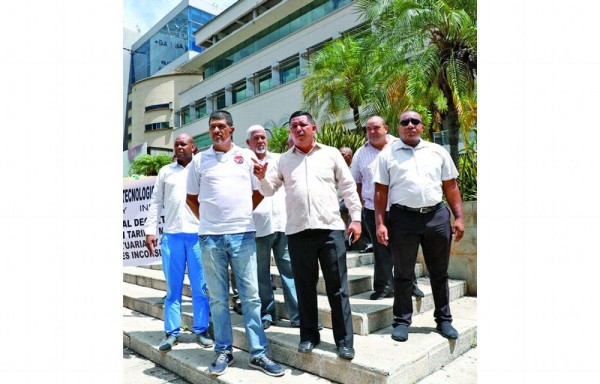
(222, 192)
(416, 174)
(362, 171)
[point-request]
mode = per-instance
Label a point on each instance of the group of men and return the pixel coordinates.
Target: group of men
(231, 207)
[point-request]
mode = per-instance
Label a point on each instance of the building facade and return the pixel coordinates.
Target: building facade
(153, 83)
(254, 59)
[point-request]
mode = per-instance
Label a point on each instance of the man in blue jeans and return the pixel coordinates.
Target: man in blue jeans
(269, 220)
(179, 245)
(222, 192)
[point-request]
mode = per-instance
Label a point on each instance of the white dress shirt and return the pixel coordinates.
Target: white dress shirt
(269, 217)
(310, 181)
(414, 175)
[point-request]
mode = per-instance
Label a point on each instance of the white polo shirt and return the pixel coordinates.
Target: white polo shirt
(168, 199)
(414, 175)
(270, 217)
(224, 183)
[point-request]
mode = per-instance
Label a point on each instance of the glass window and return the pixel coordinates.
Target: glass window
(239, 92)
(264, 83)
(220, 100)
(295, 21)
(186, 116)
(201, 109)
(203, 141)
(290, 70)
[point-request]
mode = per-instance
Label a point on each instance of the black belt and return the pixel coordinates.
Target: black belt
(420, 210)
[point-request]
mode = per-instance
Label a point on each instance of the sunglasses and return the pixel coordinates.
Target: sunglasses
(404, 123)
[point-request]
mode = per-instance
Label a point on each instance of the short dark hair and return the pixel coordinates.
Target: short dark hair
(302, 113)
(221, 115)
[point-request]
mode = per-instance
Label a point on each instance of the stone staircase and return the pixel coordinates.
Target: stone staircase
(379, 359)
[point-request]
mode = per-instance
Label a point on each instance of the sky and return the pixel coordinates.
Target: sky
(145, 13)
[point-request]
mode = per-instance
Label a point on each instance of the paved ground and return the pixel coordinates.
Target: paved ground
(139, 370)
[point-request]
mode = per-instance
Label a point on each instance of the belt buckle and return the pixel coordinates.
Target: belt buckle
(423, 209)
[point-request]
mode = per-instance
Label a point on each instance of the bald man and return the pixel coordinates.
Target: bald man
(179, 245)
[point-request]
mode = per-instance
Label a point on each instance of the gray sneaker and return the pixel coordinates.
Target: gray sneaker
(204, 339)
(168, 343)
(224, 359)
(266, 365)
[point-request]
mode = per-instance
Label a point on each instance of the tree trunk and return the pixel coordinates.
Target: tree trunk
(454, 127)
(356, 117)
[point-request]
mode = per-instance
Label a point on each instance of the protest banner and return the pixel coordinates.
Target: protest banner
(136, 202)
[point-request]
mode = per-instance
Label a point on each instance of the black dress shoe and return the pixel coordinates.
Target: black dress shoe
(296, 324)
(446, 329)
(367, 249)
(346, 353)
(380, 295)
(306, 346)
(400, 332)
(237, 308)
(416, 292)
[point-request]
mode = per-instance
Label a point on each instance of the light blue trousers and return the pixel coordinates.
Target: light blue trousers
(179, 249)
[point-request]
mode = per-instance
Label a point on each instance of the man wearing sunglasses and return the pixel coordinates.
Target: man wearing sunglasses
(413, 174)
(362, 171)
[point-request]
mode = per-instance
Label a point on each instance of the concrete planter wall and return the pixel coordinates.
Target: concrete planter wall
(463, 256)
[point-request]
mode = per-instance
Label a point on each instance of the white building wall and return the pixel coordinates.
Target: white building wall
(278, 103)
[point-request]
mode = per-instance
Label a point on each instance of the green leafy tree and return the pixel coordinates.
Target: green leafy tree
(149, 165)
(434, 43)
(335, 135)
(338, 78)
(278, 139)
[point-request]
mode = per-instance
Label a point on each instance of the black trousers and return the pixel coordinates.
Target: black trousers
(406, 231)
(382, 272)
(307, 249)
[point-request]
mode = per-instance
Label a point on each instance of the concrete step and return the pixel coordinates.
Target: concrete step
(462, 370)
(142, 334)
(367, 315)
(379, 359)
(360, 279)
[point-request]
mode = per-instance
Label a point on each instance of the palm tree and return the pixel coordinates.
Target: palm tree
(338, 78)
(435, 41)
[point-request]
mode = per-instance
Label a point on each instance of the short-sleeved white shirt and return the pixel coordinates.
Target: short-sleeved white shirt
(363, 165)
(269, 216)
(414, 175)
(168, 199)
(224, 183)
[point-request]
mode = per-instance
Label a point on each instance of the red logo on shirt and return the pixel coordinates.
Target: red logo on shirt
(238, 159)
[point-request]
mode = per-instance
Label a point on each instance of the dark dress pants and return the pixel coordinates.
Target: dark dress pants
(307, 249)
(406, 231)
(382, 272)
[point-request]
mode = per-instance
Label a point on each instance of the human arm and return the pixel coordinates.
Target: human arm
(380, 202)
(194, 204)
(452, 193)
(257, 197)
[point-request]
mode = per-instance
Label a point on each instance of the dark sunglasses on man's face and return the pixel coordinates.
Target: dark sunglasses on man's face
(404, 123)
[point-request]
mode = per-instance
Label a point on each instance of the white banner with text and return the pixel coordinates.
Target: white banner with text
(136, 201)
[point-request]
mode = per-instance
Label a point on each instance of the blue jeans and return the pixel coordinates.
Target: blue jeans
(179, 249)
(278, 243)
(239, 249)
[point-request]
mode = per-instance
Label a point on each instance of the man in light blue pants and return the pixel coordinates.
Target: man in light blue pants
(179, 246)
